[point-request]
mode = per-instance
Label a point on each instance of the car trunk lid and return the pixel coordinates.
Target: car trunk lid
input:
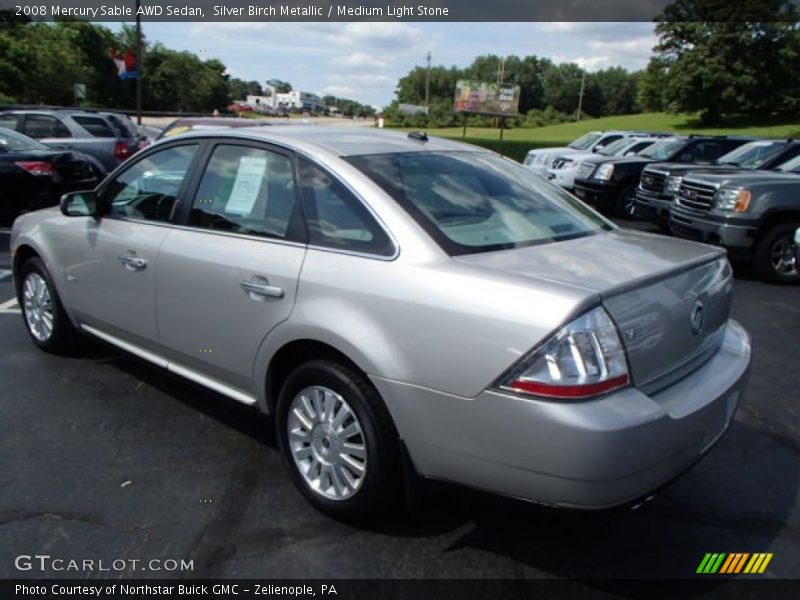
(669, 298)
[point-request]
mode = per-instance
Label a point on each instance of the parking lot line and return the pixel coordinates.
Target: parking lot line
(10, 307)
(5, 274)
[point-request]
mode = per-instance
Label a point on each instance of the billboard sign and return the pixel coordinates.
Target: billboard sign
(480, 97)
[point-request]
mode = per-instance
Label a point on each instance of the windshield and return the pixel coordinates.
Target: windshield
(12, 141)
(752, 155)
(617, 147)
(472, 202)
(585, 142)
(663, 150)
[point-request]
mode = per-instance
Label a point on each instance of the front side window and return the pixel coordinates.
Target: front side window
(11, 121)
(474, 202)
(335, 218)
(250, 191)
(148, 190)
(45, 126)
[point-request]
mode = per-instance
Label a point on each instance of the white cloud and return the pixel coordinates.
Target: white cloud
(359, 60)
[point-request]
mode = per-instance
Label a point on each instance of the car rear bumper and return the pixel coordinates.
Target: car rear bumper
(588, 455)
(652, 207)
(700, 227)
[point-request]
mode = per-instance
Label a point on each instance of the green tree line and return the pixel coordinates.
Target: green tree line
(712, 57)
(41, 62)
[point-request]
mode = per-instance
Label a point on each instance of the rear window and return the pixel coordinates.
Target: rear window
(472, 202)
(95, 126)
(10, 141)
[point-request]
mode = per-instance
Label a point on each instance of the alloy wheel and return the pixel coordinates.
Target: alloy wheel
(327, 443)
(782, 257)
(38, 307)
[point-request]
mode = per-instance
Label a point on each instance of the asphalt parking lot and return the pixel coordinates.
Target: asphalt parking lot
(104, 456)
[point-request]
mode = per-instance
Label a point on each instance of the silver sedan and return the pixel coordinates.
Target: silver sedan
(399, 303)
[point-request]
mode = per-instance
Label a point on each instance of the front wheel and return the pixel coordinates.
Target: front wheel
(45, 319)
(337, 440)
(625, 207)
(774, 259)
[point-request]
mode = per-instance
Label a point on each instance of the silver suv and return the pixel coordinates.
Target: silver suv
(93, 134)
(399, 302)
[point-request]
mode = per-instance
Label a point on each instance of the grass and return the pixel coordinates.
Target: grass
(517, 142)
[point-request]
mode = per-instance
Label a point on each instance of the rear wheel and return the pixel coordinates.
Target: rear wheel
(45, 319)
(337, 440)
(773, 258)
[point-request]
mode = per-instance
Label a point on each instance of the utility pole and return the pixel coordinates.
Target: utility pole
(580, 96)
(428, 80)
(501, 70)
(139, 65)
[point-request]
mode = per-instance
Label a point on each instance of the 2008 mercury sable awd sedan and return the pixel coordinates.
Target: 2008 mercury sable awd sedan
(399, 302)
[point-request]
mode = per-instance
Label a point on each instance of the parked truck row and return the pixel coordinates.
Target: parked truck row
(737, 192)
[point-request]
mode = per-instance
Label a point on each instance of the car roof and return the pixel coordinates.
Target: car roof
(341, 141)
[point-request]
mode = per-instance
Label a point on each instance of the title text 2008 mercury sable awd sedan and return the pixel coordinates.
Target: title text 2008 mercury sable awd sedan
(399, 302)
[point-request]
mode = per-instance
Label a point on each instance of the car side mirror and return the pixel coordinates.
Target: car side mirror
(598, 147)
(79, 204)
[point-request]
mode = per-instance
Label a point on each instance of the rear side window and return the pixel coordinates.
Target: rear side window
(337, 219)
(95, 126)
(45, 126)
(250, 191)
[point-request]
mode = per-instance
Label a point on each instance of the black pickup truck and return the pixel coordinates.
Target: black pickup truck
(610, 184)
(660, 181)
(752, 214)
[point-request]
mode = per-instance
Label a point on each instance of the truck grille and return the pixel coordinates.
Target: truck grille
(584, 170)
(653, 181)
(562, 163)
(699, 196)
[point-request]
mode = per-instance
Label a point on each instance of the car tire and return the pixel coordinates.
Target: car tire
(771, 257)
(313, 436)
(42, 311)
(625, 206)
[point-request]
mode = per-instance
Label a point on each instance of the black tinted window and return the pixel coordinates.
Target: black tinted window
(248, 190)
(148, 189)
(95, 126)
(335, 218)
(45, 126)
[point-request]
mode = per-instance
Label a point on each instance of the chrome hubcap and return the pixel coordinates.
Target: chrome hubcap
(327, 443)
(782, 257)
(37, 306)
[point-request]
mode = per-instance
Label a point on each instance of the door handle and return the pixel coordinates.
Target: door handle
(132, 263)
(258, 290)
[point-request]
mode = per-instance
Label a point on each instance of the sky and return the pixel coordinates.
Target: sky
(363, 61)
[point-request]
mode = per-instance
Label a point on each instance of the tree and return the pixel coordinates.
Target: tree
(239, 89)
(652, 94)
(724, 58)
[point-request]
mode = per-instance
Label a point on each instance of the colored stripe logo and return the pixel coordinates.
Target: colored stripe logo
(733, 563)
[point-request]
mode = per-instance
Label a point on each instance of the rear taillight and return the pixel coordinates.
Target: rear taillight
(122, 151)
(35, 167)
(583, 359)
